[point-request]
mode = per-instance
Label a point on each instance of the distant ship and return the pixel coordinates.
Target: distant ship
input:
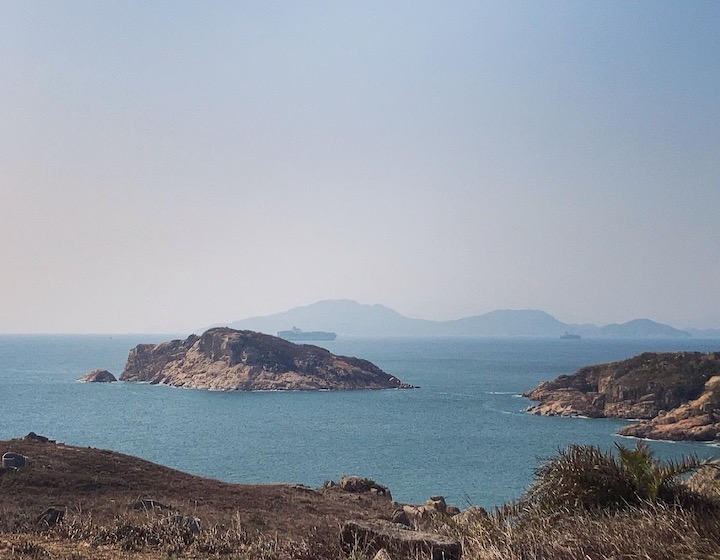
(568, 336)
(297, 334)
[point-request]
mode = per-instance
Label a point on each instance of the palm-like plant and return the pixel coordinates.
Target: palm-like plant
(584, 477)
(651, 477)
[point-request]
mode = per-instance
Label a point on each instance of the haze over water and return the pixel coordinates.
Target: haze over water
(463, 434)
(169, 165)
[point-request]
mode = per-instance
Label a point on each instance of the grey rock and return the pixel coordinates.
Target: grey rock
(12, 460)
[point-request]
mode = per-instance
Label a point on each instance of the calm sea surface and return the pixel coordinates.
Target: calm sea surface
(463, 434)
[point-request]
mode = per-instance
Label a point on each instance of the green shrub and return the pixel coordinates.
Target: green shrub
(584, 477)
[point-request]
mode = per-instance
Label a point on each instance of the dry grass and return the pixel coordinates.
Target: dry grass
(571, 516)
(654, 531)
(80, 538)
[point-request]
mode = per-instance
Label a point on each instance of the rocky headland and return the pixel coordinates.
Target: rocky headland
(676, 396)
(230, 360)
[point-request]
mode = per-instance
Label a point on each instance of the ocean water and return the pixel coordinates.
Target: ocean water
(464, 434)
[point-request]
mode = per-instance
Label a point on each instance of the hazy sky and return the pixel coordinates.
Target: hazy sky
(168, 165)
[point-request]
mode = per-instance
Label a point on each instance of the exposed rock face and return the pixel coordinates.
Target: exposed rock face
(98, 376)
(697, 420)
(226, 359)
(678, 394)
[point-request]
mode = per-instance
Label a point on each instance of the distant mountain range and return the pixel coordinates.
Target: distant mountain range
(350, 318)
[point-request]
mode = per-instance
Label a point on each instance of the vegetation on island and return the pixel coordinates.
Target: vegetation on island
(585, 504)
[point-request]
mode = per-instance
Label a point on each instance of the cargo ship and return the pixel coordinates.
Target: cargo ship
(299, 335)
(569, 336)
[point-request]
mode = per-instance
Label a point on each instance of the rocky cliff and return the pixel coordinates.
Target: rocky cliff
(677, 395)
(227, 359)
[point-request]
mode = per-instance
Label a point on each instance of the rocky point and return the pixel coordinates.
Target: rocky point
(675, 395)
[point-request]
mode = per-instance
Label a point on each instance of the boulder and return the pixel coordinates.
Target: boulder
(12, 460)
(470, 516)
(397, 539)
(98, 376)
(359, 485)
(452, 511)
(414, 513)
(437, 503)
(32, 436)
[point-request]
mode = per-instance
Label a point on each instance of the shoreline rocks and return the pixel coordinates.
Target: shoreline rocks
(697, 420)
(229, 360)
(676, 396)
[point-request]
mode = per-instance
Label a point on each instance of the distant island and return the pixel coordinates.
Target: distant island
(350, 318)
(675, 395)
(231, 360)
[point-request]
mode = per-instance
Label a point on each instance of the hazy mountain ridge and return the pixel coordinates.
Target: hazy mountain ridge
(350, 318)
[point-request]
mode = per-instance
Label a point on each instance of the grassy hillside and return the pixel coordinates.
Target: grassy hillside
(584, 505)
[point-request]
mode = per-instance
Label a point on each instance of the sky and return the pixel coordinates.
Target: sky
(169, 165)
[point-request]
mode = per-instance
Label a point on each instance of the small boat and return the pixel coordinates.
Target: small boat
(299, 335)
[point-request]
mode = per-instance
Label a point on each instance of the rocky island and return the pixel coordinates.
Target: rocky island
(230, 360)
(675, 395)
(98, 376)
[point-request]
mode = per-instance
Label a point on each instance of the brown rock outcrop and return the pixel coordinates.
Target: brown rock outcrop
(676, 394)
(229, 360)
(697, 420)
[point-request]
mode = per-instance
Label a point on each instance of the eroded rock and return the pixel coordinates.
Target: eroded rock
(697, 420)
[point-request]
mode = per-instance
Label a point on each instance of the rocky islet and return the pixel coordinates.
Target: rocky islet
(231, 360)
(674, 395)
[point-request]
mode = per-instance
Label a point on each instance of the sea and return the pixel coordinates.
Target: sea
(463, 433)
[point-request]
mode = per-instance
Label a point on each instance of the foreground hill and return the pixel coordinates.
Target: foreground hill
(231, 360)
(677, 395)
(350, 318)
(119, 493)
(73, 503)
